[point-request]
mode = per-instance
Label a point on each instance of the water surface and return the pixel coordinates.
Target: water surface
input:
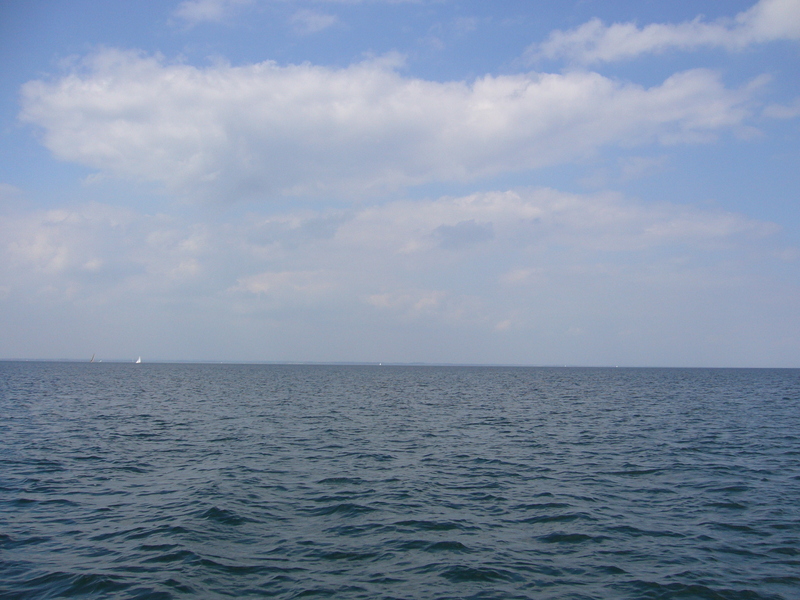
(256, 481)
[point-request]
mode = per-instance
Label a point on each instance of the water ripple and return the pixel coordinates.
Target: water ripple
(254, 481)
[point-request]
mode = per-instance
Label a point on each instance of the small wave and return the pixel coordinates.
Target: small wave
(459, 574)
(246, 569)
(785, 580)
(559, 518)
(738, 551)
(130, 469)
(177, 586)
(315, 592)
(7, 542)
(140, 436)
(48, 466)
(360, 530)
(379, 457)
(54, 501)
(128, 533)
(732, 488)
(340, 497)
(611, 570)
(345, 509)
(428, 546)
(346, 555)
(327, 592)
(636, 532)
(542, 506)
(648, 590)
(446, 547)
(341, 481)
(432, 525)
(168, 530)
(480, 485)
(739, 528)
(184, 556)
(223, 516)
(570, 538)
(157, 547)
(730, 505)
(81, 457)
(383, 579)
(74, 584)
(634, 473)
(786, 550)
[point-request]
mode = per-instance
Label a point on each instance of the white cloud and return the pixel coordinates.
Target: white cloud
(193, 12)
(199, 11)
(262, 130)
(463, 234)
(363, 1)
(627, 169)
(594, 41)
(100, 250)
(373, 277)
(375, 252)
(286, 284)
(9, 194)
(311, 21)
(635, 167)
(503, 325)
(781, 111)
(464, 25)
(534, 219)
(412, 302)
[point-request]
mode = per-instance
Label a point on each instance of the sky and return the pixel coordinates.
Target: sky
(522, 182)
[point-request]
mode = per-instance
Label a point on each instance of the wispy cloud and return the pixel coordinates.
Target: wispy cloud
(362, 1)
(199, 11)
(594, 41)
(9, 194)
(783, 111)
(635, 167)
(464, 25)
(263, 130)
(311, 21)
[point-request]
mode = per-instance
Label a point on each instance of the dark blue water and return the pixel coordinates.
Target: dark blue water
(254, 481)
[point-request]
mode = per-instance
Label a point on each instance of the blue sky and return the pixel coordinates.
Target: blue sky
(583, 183)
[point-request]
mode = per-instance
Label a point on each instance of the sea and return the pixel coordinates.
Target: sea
(164, 481)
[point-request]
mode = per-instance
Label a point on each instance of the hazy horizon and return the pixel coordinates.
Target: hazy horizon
(345, 363)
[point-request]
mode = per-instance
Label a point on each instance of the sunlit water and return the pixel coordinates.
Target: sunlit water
(237, 481)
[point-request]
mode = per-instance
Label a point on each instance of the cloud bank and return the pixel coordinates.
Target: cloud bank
(264, 130)
(595, 42)
(382, 249)
(534, 264)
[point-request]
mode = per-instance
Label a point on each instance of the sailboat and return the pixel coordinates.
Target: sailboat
(92, 358)
(139, 360)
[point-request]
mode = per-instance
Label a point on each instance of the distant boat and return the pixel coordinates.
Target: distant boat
(92, 358)
(138, 360)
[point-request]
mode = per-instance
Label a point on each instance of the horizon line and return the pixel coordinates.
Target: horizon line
(368, 363)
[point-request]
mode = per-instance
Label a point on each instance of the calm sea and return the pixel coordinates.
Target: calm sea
(258, 481)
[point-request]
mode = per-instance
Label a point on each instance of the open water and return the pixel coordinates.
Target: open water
(257, 481)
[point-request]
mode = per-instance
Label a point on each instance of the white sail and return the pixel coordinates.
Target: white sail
(138, 360)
